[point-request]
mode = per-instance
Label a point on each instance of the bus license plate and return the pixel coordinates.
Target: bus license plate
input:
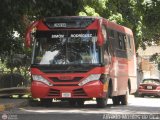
(66, 95)
(149, 87)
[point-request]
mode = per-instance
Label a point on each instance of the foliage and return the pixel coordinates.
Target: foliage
(139, 15)
(13, 80)
(151, 22)
(142, 16)
(156, 58)
(16, 15)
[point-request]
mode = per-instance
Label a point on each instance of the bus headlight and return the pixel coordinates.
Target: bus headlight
(41, 79)
(90, 78)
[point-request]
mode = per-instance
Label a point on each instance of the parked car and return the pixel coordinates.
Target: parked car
(149, 87)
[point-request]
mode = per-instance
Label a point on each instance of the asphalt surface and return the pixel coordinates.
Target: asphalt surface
(139, 108)
(9, 103)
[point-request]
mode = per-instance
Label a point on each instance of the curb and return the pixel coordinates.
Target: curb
(8, 106)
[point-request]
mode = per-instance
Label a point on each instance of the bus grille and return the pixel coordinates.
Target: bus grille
(54, 92)
(56, 79)
(79, 92)
(65, 84)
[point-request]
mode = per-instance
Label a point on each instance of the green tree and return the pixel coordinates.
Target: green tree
(139, 15)
(151, 22)
(16, 15)
(156, 59)
(142, 16)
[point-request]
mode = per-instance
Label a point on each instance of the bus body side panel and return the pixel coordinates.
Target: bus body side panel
(122, 69)
(132, 65)
(119, 75)
(122, 75)
(133, 74)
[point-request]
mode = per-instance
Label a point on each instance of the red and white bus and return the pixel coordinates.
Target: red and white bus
(80, 58)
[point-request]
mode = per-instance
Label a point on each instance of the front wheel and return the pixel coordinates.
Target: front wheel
(101, 102)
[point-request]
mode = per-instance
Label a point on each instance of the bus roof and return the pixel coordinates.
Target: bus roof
(117, 27)
(110, 24)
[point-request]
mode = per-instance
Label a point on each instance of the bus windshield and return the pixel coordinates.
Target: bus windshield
(66, 47)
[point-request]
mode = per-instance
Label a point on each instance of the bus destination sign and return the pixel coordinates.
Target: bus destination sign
(60, 25)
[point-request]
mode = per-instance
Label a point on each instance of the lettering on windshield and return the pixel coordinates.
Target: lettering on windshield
(57, 36)
(81, 35)
(72, 35)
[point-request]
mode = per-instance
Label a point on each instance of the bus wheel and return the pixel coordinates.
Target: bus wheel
(46, 102)
(116, 100)
(101, 102)
(124, 98)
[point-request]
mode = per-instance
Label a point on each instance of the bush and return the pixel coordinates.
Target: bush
(12, 80)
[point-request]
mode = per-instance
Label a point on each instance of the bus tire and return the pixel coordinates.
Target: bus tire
(116, 100)
(124, 98)
(101, 102)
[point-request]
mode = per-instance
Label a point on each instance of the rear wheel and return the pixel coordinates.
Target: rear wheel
(141, 95)
(116, 100)
(124, 98)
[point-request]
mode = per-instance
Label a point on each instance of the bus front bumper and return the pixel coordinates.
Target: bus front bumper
(92, 89)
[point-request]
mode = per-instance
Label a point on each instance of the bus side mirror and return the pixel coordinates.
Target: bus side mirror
(28, 33)
(100, 39)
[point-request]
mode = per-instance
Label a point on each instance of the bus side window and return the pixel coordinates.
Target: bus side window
(130, 49)
(107, 44)
(125, 42)
(111, 33)
(129, 42)
(122, 41)
(104, 32)
(112, 42)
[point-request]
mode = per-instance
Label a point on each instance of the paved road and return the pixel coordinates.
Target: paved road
(62, 111)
